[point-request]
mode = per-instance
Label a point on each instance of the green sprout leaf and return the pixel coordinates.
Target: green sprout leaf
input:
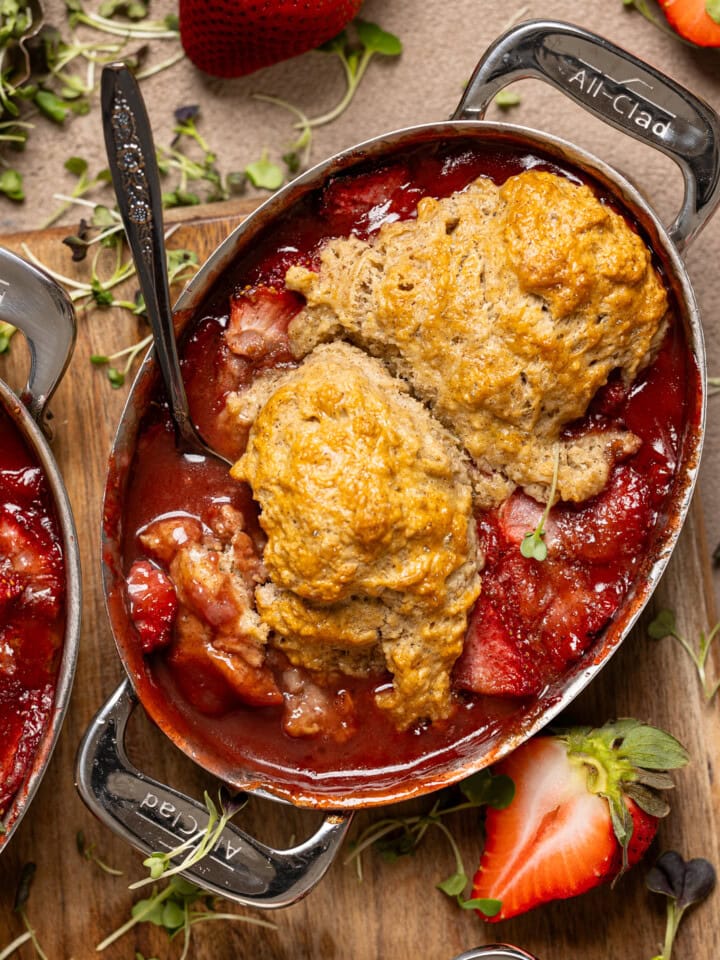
(487, 906)
(11, 184)
(454, 885)
(377, 40)
(7, 332)
(533, 545)
(77, 166)
(265, 174)
(394, 837)
(52, 106)
(116, 378)
(132, 9)
(663, 625)
(486, 789)
(507, 98)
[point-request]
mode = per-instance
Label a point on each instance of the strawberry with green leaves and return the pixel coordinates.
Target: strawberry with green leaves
(232, 38)
(586, 807)
(695, 20)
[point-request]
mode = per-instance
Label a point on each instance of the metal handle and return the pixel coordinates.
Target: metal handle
(133, 166)
(495, 951)
(154, 817)
(619, 89)
(36, 305)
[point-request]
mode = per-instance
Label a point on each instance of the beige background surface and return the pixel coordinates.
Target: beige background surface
(442, 42)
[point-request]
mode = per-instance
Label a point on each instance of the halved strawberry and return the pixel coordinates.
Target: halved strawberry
(693, 21)
(231, 38)
(585, 808)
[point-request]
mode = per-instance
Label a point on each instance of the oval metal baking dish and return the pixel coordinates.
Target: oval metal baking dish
(665, 116)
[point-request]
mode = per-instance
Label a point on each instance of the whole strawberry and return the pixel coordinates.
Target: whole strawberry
(231, 38)
(586, 807)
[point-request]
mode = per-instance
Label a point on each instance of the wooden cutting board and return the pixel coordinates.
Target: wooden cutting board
(396, 910)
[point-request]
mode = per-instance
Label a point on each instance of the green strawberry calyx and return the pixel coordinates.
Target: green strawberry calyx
(626, 758)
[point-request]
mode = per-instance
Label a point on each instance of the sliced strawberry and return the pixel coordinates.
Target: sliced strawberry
(584, 810)
(31, 557)
(692, 20)
(21, 734)
(578, 608)
(491, 662)
(520, 514)
(353, 203)
(259, 320)
(153, 604)
(615, 523)
(231, 38)
(23, 485)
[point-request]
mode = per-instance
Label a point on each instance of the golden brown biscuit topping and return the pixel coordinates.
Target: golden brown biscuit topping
(505, 309)
(367, 506)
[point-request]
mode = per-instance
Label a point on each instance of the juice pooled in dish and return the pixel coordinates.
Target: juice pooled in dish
(414, 363)
(32, 608)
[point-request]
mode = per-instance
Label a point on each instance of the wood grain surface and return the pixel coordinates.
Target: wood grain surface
(396, 910)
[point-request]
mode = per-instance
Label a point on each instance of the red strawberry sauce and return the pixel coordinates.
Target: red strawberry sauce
(32, 616)
(534, 619)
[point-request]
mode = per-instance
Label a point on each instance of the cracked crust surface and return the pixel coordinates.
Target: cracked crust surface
(505, 309)
(367, 505)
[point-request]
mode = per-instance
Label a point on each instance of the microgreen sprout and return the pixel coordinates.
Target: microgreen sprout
(297, 153)
(684, 883)
(177, 908)
(166, 29)
(394, 837)
(355, 59)
(196, 847)
(533, 544)
(664, 625)
(22, 895)
(78, 167)
(116, 375)
(45, 73)
(355, 56)
(202, 170)
(87, 850)
(98, 290)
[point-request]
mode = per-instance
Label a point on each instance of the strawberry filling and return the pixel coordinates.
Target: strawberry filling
(32, 592)
(533, 618)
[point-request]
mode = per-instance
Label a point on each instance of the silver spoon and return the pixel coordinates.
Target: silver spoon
(133, 166)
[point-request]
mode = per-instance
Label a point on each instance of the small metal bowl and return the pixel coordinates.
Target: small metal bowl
(36, 305)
